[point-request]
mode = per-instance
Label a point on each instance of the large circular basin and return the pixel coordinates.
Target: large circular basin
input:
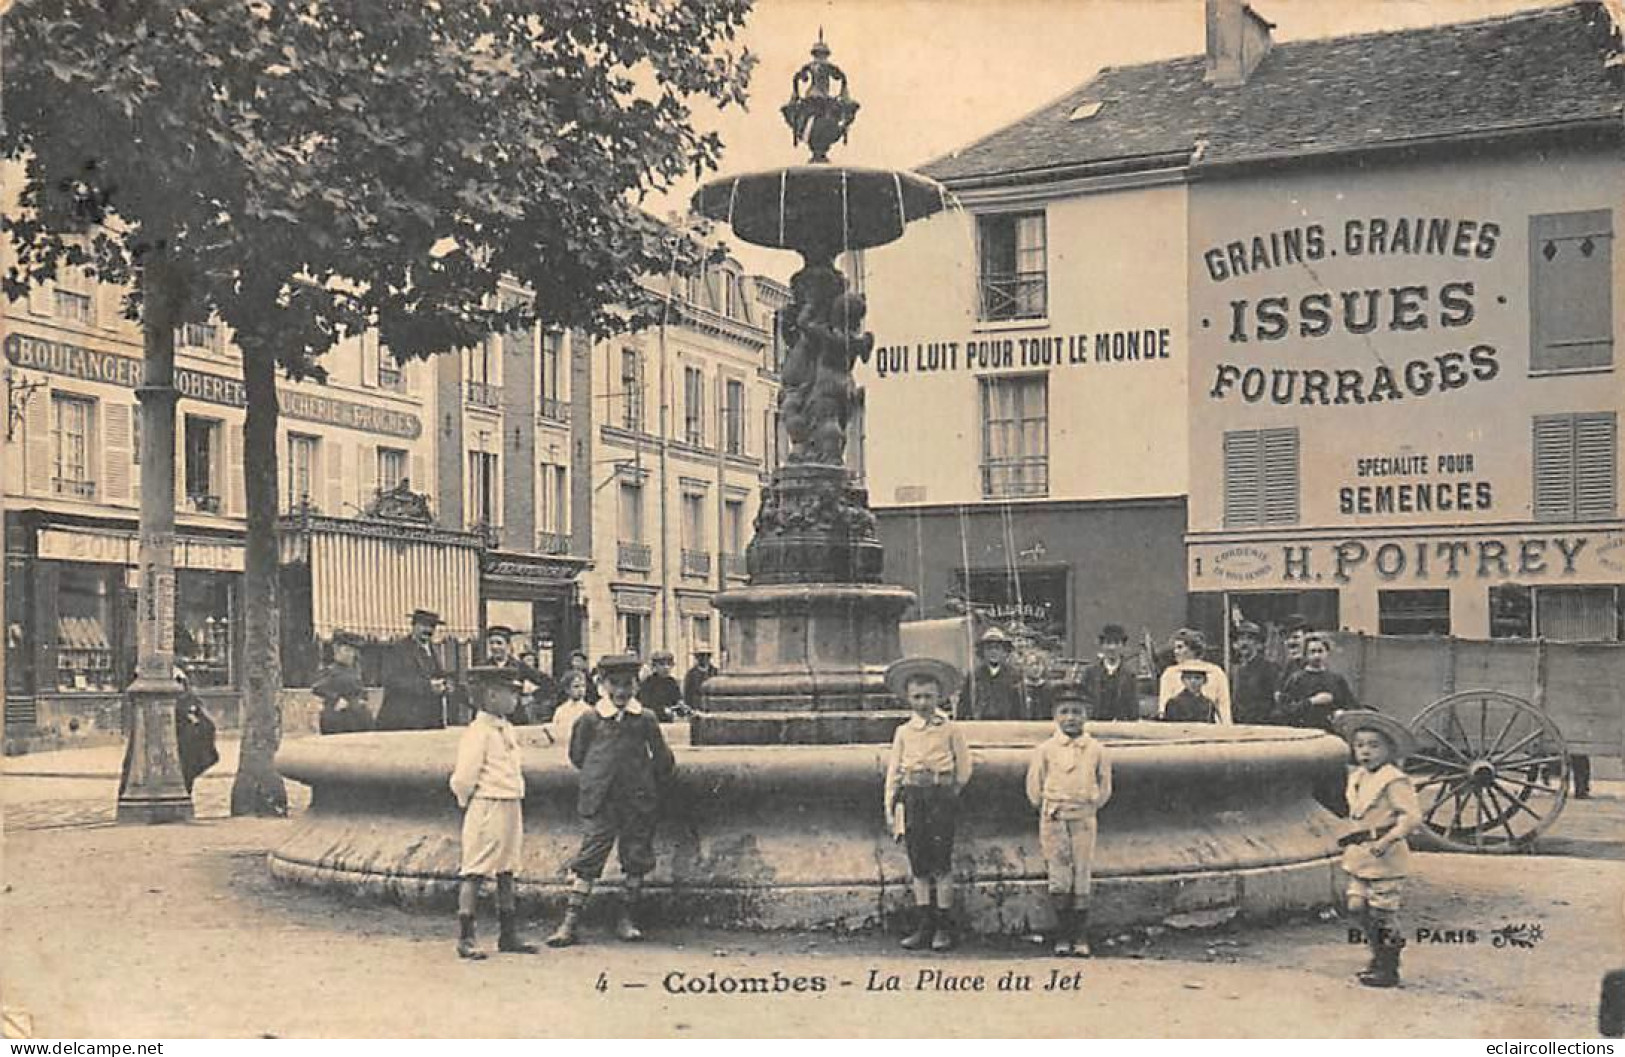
(1204, 821)
(825, 209)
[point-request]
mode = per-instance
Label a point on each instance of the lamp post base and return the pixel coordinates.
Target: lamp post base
(153, 790)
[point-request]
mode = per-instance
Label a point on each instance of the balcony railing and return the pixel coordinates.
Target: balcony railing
(733, 566)
(552, 543)
(551, 410)
(1015, 477)
(1015, 295)
(391, 378)
(204, 504)
(483, 394)
(74, 486)
(632, 556)
(696, 563)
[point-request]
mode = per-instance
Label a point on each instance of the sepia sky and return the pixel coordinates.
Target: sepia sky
(935, 75)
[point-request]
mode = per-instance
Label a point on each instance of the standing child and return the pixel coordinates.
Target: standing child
(1383, 810)
(624, 761)
(930, 764)
(572, 708)
(489, 784)
(1191, 704)
(1068, 781)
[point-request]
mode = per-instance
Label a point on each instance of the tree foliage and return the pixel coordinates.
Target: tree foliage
(315, 167)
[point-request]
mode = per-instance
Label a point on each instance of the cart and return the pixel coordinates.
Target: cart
(1496, 723)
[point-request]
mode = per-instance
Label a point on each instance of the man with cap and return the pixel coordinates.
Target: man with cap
(1111, 685)
(624, 763)
(993, 688)
(532, 703)
(659, 692)
(694, 681)
(342, 693)
(414, 683)
(1254, 678)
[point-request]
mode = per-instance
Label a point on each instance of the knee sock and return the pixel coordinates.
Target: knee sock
(468, 897)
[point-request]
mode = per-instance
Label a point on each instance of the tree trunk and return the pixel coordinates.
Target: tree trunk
(259, 790)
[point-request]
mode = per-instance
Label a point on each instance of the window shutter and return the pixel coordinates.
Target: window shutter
(335, 477)
(368, 345)
(1279, 458)
(109, 306)
(367, 456)
(1571, 290)
(1554, 468)
(1243, 468)
(116, 451)
(37, 420)
(40, 298)
(135, 449)
(1595, 467)
(232, 472)
(419, 481)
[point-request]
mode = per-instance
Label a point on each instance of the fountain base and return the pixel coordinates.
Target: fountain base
(1206, 823)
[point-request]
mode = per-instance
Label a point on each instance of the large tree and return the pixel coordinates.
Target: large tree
(304, 170)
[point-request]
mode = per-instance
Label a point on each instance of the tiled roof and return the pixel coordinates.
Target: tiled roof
(1531, 69)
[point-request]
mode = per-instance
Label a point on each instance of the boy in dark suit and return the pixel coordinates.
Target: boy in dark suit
(624, 762)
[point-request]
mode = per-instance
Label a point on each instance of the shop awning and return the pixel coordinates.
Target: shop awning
(367, 577)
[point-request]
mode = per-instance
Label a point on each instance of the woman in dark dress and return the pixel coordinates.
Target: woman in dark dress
(343, 695)
(194, 733)
(1312, 693)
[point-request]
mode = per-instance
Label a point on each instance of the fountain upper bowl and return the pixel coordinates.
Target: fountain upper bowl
(821, 210)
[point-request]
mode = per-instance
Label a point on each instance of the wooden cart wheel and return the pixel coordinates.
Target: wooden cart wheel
(1491, 771)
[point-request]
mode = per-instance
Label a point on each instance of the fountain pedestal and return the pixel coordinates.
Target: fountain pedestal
(809, 640)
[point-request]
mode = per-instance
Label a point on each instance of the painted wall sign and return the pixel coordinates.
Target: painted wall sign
(1413, 483)
(1417, 560)
(1392, 307)
(1146, 345)
(94, 365)
(120, 548)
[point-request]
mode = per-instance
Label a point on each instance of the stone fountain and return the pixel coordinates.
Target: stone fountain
(774, 817)
(810, 638)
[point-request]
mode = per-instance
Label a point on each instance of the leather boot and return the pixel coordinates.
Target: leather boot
(1386, 973)
(1373, 945)
(626, 925)
(508, 941)
(1061, 936)
(565, 934)
(1080, 933)
(924, 927)
(465, 939)
(943, 938)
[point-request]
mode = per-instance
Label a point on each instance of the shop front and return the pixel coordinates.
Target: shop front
(1562, 583)
(366, 576)
(70, 607)
(536, 596)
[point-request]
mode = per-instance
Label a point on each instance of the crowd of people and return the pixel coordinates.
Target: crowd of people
(420, 693)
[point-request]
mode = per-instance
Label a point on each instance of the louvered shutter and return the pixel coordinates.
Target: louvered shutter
(116, 451)
(1554, 467)
(41, 298)
(109, 306)
(1278, 450)
(420, 480)
(334, 457)
(1571, 290)
(1596, 463)
(38, 453)
(135, 449)
(366, 471)
(232, 472)
(1577, 614)
(1243, 483)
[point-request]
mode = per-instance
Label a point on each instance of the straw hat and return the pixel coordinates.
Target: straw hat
(900, 672)
(1350, 721)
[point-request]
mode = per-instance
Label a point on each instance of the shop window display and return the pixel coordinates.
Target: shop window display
(84, 636)
(204, 629)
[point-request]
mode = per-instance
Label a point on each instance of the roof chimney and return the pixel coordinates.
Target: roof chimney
(1238, 38)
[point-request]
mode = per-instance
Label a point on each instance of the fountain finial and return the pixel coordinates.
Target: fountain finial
(817, 116)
